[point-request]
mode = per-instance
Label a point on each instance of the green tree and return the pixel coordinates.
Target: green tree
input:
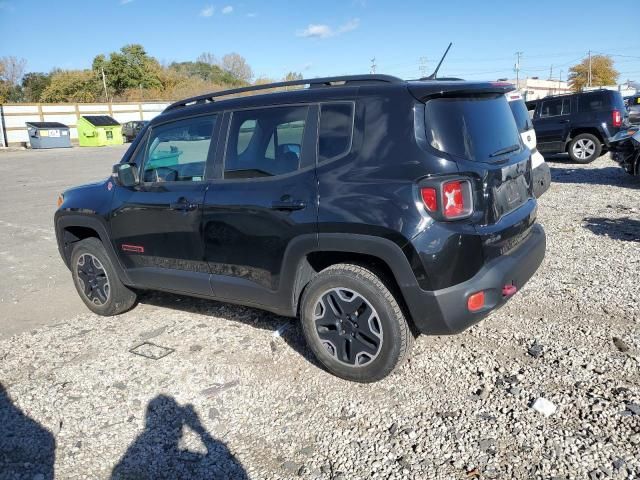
(33, 85)
(129, 68)
(72, 86)
(292, 76)
(602, 73)
(207, 72)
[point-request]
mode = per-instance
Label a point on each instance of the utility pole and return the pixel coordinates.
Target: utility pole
(517, 69)
(589, 80)
(423, 67)
(104, 84)
(373, 65)
(551, 72)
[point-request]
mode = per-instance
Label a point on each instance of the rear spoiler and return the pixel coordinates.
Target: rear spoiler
(423, 90)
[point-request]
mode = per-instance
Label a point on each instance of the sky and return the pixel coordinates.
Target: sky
(331, 37)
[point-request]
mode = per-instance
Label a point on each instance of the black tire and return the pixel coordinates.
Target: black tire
(96, 280)
(585, 148)
(375, 348)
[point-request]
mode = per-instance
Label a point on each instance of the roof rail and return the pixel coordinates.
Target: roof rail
(312, 82)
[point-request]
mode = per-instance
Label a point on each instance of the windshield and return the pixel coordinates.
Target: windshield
(521, 115)
(479, 128)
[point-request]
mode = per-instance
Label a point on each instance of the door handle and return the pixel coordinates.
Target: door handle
(183, 205)
(288, 205)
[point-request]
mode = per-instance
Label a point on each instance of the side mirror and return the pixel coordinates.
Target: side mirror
(125, 174)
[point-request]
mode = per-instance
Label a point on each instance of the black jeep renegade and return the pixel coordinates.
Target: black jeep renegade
(371, 207)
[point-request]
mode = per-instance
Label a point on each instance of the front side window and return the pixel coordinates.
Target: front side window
(265, 142)
(551, 108)
(336, 129)
(178, 151)
(479, 128)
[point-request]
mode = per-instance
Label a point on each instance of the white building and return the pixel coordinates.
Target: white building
(535, 88)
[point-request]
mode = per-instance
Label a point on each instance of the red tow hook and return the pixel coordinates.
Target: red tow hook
(509, 290)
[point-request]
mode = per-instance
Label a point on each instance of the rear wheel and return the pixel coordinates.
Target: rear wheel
(585, 148)
(96, 280)
(353, 324)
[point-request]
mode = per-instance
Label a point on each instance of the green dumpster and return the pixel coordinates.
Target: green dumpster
(98, 131)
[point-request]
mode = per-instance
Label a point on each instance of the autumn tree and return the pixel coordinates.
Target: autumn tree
(602, 73)
(237, 65)
(72, 86)
(11, 72)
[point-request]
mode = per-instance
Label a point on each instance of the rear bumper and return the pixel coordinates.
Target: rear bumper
(442, 312)
(541, 179)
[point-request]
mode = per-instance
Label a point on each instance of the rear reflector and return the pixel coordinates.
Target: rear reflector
(430, 198)
(132, 248)
(475, 302)
(509, 290)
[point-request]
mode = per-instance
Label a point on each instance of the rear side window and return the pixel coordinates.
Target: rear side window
(265, 142)
(593, 102)
(178, 151)
(336, 130)
(476, 128)
(521, 115)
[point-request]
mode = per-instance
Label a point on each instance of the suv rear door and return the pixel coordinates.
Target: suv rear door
(552, 122)
(264, 195)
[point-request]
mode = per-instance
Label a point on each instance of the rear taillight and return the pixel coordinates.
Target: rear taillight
(617, 118)
(456, 199)
(449, 200)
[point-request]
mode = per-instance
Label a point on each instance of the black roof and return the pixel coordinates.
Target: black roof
(47, 124)
(101, 120)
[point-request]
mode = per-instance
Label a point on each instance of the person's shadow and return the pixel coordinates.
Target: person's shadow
(157, 453)
(27, 449)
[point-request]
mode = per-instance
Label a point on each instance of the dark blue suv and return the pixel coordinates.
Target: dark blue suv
(370, 207)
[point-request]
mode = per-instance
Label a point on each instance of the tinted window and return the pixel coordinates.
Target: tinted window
(336, 127)
(178, 151)
(593, 102)
(566, 106)
(475, 128)
(551, 108)
(521, 115)
(267, 142)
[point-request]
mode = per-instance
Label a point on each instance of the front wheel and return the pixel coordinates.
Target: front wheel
(96, 280)
(585, 148)
(353, 323)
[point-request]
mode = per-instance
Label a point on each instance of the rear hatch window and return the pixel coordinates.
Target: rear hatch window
(521, 115)
(479, 128)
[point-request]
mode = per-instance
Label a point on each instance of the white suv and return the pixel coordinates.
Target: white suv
(541, 173)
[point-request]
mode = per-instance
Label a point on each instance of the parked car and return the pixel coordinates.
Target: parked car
(369, 206)
(579, 123)
(131, 129)
(625, 149)
(541, 172)
(633, 107)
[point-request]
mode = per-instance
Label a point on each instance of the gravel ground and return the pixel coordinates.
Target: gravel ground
(238, 395)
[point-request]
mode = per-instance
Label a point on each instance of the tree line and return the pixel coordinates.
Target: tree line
(129, 74)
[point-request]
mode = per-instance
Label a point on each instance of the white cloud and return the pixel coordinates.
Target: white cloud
(307, 66)
(124, 2)
(206, 11)
(315, 30)
(252, 14)
(227, 9)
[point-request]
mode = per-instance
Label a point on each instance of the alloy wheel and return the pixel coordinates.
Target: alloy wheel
(92, 278)
(584, 148)
(348, 326)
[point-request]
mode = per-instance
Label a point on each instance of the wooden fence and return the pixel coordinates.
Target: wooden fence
(13, 130)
